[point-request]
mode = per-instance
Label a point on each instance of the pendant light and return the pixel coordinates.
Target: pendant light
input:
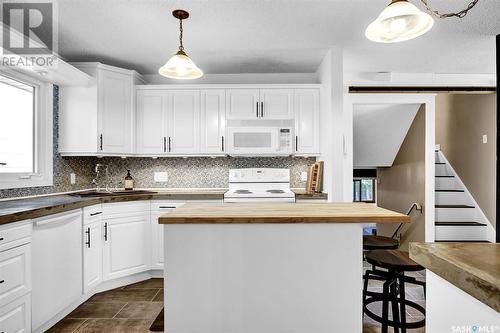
(180, 66)
(398, 22)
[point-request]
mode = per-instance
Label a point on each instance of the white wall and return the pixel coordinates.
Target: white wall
(244, 78)
(379, 131)
(337, 181)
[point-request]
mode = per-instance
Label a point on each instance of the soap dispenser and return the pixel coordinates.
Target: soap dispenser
(129, 182)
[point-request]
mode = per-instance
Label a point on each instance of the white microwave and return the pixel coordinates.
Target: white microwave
(268, 141)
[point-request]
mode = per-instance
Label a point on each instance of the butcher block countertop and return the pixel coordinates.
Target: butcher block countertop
(472, 267)
(197, 213)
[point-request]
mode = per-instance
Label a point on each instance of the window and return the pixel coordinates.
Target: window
(17, 127)
(25, 131)
(364, 190)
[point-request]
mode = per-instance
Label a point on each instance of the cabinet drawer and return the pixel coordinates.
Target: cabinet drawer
(15, 234)
(15, 277)
(165, 205)
(124, 208)
(92, 213)
(15, 317)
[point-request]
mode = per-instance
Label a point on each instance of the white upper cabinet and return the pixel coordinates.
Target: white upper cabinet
(168, 122)
(251, 104)
(184, 122)
(306, 121)
(98, 119)
(115, 112)
(276, 103)
(213, 111)
(152, 121)
(242, 104)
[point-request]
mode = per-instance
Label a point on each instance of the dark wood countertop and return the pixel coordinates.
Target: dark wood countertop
(472, 267)
(282, 213)
(33, 207)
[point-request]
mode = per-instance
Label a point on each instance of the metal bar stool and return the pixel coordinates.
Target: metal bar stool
(396, 263)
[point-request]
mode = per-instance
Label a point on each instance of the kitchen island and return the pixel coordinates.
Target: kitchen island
(266, 267)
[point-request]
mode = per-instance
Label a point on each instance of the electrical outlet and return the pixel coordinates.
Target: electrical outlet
(72, 178)
(303, 176)
(161, 177)
(485, 138)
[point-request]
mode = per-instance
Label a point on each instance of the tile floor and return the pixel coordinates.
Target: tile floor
(133, 308)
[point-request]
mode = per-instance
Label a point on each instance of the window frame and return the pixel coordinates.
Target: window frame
(374, 190)
(43, 136)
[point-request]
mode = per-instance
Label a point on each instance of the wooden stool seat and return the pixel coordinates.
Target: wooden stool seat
(372, 242)
(393, 260)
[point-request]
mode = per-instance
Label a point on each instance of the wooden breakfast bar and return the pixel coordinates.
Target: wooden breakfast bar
(266, 268)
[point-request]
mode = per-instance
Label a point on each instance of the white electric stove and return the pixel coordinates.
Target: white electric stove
(259, 185)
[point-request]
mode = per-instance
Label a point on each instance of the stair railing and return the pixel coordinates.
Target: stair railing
(417, 207)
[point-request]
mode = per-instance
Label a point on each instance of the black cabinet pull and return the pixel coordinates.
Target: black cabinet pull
(3, 163)
(2, 281)
(96, 213)
(106, 231)
(165, 207)
(100, 144)
(223, 143)
(164, 144)
(262, 109)
(1, 238)
(88, 237)
(296, 143)
(169, 144)
(257, 108)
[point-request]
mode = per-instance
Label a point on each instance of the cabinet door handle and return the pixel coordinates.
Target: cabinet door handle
(106, 231)
(1, 238)
(296, 143)
(100, 142)
(262, 109)
(257, 108)
(164, 144)
(169, 144)
(96, 213)
(223, 143)
(3, 163)
(2, 281)
(167, 207)
(88, 237)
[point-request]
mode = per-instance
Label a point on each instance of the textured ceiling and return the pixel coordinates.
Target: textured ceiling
(271, 36)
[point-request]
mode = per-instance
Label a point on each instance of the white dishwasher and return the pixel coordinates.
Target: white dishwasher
(57, 264)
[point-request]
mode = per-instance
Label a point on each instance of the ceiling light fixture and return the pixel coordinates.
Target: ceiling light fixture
(180, 66)
(401, 21)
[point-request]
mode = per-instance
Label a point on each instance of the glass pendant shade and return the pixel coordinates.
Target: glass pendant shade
(181, 67)
(398, 22)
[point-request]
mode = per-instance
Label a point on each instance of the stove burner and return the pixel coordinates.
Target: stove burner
(275, 191)
(242, 192)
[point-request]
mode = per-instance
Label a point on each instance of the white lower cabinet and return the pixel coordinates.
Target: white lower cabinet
(127, 247)
(159, 208)
(15, 317)
(15, 277)
(92, 247)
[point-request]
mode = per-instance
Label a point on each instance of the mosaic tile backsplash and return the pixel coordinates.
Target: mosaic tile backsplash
(193, 172)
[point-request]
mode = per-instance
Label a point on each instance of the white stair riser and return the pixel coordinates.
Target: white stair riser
(452, 198)
(455, 214)
(460, 233)
(446, 183)
(442, 170)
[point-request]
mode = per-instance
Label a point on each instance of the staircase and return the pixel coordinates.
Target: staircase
(458, 217)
